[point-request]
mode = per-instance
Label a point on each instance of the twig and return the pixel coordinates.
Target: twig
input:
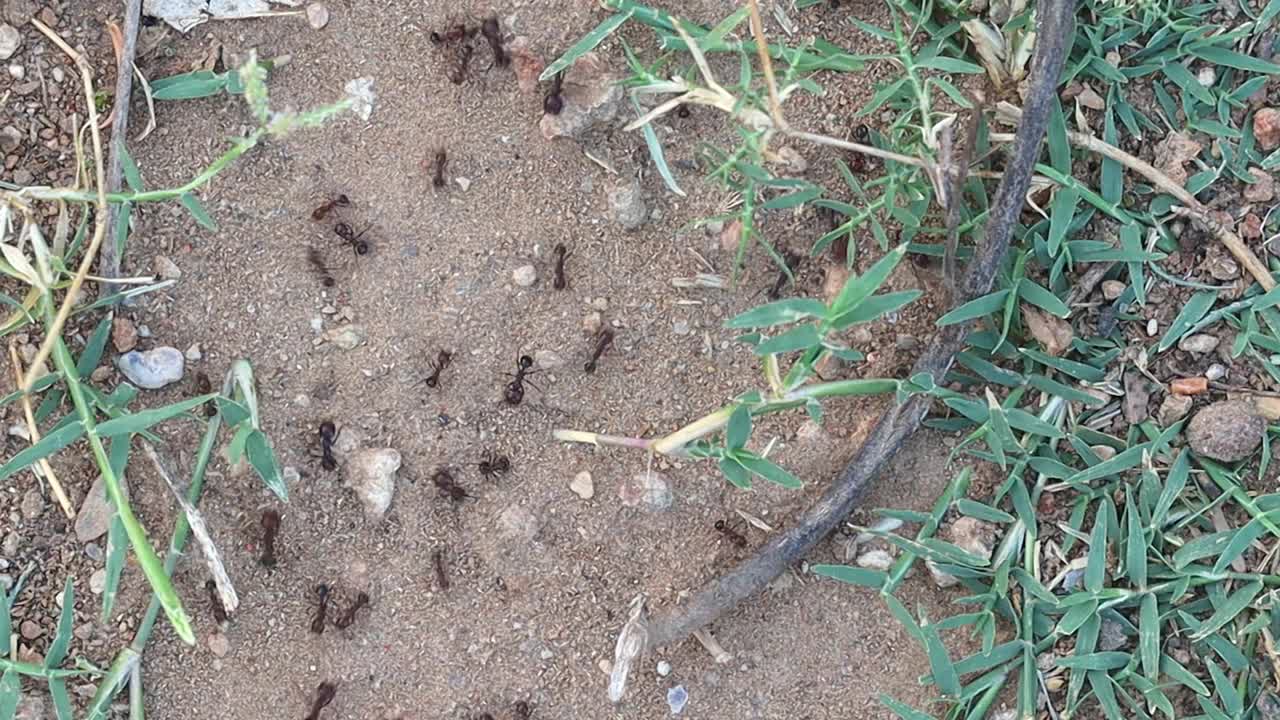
(1194, 208)
(34, 432)
(54, 330)
(110, 265)
(762, 49)
(898, 422)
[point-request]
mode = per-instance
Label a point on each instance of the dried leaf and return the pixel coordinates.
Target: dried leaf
(1136, 397)
(1054, 333)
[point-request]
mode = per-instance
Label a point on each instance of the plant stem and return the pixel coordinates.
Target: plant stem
(591, 438)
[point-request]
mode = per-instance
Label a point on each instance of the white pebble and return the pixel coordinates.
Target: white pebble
(525, 275)
(664, 668)
(1215, 372)
(59, 75)
(17, 72)
(583, 486)
(1153, 327)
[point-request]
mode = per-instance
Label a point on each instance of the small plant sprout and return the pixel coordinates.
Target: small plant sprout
(805, 329)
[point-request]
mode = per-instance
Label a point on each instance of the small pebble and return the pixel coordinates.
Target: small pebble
(154, 368)
(317, 16)
(680, 327)
(525, 275)
(124, 334)
(98, 581)
(346, 337)
(648, 488)
(1198, 344)
(547, 359)
(1153, 327)
(664, 668)
(17, 72)
(592, 323)
(875, 560)
(93, 551)
(1215, 372)
(219, 645)
(583, 486)
(193, 353)
(676, 699)
(10, 40)
(463, 182)
(372, 474)
(59, 75)
(1227, 430)
(30, 630)
(1112, 289)
(166, 268)
(32, 505)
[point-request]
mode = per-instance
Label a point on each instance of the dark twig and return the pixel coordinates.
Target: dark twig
(897, 423)
(109, 259)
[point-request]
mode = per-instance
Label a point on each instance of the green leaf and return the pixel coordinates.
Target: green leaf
(940, 665)
(144, 419)
(735, 473)
(777, 313)
(1135, 562)
(10, 690)
(1182, 676)
(117, 551)
(61, 700)
(1042, 298)
(1232, 59)
(263, 460)
(852, 575)
(768, 470)
(875, 307)
(951, 65)
(794, 199)
(187, 86)
(739, 428)
(585, 45)
(197, 211)
(131, 174)
(1149, 637)
(1228, 610)
(48, 445)
(976, 308)
(1077, 370)
(1191, 313)
(5, 623)
(861, 287)
(982, 512)
(658, 156)
(62, 639)
(1095, 572)
(1095, 661)
(1061, 214)
(1243, 538)
(92, 354)
(801, 337)
(906, 712)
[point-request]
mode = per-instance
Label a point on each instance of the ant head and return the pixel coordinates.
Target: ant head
(322, 590)
(362, 247)
(327, 429)
(861, 133)
(525, 362)
(343, 230)
(553, 104)
(719, 524)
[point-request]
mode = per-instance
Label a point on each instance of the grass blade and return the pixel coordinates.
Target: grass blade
(861, 287)
(62, 640)
(193, 206)
(852, 575)
(5, 623)
(1191, 313)
(264, 462)
(10, 689)
(139, 421)
(586, 44)
(659, 157)
(61, 701)
(976, 308)
(1228, 610)
(940, 665)
(1149, 637)
(1095, 572)
(48, 445)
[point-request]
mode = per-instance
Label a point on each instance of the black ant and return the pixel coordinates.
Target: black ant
(349, 236)
(860, 163)
(270, 527)
(522, 710)
(603, 341)
(449, 488)
(204, 387)
(317, 622)
(553, 103)
(442, 579)
(561, 253)
(682, 111)
(513, 393)
(793, 261)
(441, 159)
(321, 270)
(219, 611)
(494, 465)
(493, 34)
(328, 435)
(324, 696)
(734, 536)
(442, 362)
(339, 201)
(459, 73)
(349, 617)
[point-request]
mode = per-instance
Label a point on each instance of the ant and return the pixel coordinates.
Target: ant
(451, 35)
(219, 611)
(793, 261)
(459, 73)
(321, 270)
(494, 465)
(493, 34)
(204, 387)
(270, 527)
(605, 338)
(514, 391)
(860, 163)
(552, 104)
(328, 435)
(522, 710)
(448, 486)
(442, 362)
(324, 696)
(441, 158)
(561, 253)
(349, 236)
(682, 111)
(349, 617)
(339, 201)
(734, 536)
(442, 579)
(317, 622)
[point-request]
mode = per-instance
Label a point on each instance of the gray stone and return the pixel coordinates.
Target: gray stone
(583, 486)
(1112, 636)
(167, 269)
(627, 206)
(98, 581)
(1228, 430)
(1198, 344)
(372, 474)
(346, 337)
(591, 97)
(1173, 409)
(524, 276)
(94, 517)
(154, 368)
(32, 504)
(10, 40)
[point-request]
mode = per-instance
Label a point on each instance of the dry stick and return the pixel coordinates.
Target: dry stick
(54, 331)
(762, 49)
(110, 263)
(34, 431)
(1194, 208)
(900, 421)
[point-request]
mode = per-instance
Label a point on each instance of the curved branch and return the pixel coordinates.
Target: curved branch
(898, 422)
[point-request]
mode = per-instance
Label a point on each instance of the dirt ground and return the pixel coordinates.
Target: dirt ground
(522, 619)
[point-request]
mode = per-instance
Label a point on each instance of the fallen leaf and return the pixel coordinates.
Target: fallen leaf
(1136, 397)
(1054, 333)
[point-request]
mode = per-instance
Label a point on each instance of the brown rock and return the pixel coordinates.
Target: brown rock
(1266, 128)
(30, 630)
(527, 64)
(1112, 289)
(1251, 227)
(1228, 430)
(19, 12)
(124, 334)
(1174, 151)
(1173, 409)
(1263, 189)
(592, 97)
